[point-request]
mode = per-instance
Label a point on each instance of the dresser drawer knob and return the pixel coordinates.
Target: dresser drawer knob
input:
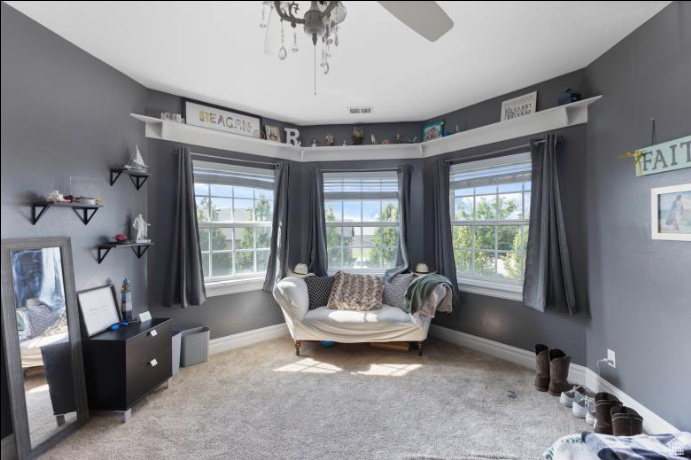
(153, 363)
(153, 333)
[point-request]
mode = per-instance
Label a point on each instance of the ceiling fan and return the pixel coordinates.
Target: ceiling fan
(322, 21)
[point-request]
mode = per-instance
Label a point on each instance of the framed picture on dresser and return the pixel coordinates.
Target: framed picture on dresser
(98, 308)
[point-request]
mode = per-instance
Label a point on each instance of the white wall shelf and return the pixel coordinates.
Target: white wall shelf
(558, 117)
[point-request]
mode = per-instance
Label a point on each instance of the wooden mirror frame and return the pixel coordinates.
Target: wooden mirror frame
(13, 365)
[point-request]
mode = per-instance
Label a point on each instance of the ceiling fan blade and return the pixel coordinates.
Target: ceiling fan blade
(425, 18)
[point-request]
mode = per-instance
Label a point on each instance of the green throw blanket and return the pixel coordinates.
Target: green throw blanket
(421, 288)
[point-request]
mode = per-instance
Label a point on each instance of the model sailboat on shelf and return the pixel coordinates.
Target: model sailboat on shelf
(137, 162)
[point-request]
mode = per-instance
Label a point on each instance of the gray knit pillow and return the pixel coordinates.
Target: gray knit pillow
(318, 290)
(395, 288)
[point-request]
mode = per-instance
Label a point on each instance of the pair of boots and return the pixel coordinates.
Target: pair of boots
(551, 370)
(615, 418)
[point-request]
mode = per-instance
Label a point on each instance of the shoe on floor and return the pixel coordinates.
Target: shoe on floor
(604, 402)
(558, 372)
(568, 398)
(582, 407)
(590, 417)
(626, 421)
(541, 367)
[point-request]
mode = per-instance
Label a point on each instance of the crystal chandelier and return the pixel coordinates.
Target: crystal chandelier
(320, 22)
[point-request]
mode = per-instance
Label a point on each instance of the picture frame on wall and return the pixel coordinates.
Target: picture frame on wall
(519, 106)
(98, 308)
(670, 213)
(432, 130)
(273, 133)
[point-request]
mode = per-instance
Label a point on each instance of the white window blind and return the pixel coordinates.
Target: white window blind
(234, 211)
(361, 214)
(490, 212)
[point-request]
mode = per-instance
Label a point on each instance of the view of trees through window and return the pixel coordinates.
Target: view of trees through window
(490, 224)
(361, 217)
(234, 229)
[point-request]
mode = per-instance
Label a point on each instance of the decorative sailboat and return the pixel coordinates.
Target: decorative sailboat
(137, 162)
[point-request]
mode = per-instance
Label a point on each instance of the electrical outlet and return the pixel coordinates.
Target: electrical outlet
(611, 358)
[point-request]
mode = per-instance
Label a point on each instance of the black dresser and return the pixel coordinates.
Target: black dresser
(125, 365)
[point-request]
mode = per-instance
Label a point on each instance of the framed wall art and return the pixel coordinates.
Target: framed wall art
(670, 212)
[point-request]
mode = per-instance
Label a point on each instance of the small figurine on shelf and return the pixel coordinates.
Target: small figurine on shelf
(372, 139)
(56, 197)
(385, 142)
(137, 162)
(330, 140)
(121, 239)
(358, 134)
(126, 300)
(398, 139)
(315, 142)
(142, 228)
(345, 142)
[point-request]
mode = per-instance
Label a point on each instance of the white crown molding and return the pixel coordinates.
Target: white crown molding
(243, 339)
(558, 117)
(652, 423)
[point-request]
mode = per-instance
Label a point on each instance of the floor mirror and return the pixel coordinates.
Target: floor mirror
(41, 333)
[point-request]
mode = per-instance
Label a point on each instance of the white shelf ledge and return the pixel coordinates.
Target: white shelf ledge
(558, 117)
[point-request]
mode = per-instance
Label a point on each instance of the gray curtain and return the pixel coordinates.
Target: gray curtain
(185, 283)
(443, 247)
(318, 263)
(548, 279)
(278, 258)
(402, 263)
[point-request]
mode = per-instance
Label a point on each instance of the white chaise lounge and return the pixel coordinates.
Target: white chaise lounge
(387, 324)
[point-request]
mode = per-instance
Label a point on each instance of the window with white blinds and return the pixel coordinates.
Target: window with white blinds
(234, 211)
(361, 214)
(490, 212)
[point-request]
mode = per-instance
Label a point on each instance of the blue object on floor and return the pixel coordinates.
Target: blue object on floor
(328, 343)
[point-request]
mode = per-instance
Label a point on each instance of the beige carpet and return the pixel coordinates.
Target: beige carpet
(347, 402)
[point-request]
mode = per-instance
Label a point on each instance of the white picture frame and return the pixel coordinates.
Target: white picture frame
(206, 116)
(519, 106)
(664, 201)
(99, 309)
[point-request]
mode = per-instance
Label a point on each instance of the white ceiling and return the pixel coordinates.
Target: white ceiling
(214, 52)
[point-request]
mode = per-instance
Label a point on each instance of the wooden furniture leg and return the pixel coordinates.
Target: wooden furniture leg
(419, 348)
(297, 347)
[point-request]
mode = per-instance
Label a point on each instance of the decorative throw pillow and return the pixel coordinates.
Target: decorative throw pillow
(395, 289)
(356, 292)
(318, 290)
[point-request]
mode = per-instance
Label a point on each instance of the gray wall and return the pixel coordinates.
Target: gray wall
(640, 289)
(65, 113)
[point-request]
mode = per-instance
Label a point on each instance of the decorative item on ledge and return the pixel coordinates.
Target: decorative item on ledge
(84, 211)
(138, 248)
(137, 177)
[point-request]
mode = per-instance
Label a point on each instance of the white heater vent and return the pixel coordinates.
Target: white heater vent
(361, 110)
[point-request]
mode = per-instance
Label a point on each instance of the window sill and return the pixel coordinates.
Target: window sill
(219, 288)
(491, 289)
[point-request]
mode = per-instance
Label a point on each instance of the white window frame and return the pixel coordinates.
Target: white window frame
(342, 197)
(485, 285)
(235, 283)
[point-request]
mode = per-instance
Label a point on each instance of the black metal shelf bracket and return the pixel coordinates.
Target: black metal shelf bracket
(138, 181)
(43, 208)
(139, 250)
(114, 176)
(103, 252)
(85, 214)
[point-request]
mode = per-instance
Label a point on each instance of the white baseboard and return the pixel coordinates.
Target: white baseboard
(244, 339)
(9, 452)
(652, 423)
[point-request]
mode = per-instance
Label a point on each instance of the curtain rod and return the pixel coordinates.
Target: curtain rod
(359, 170)
(235, 160)
(494, 153)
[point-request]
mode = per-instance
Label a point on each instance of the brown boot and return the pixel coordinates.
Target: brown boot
(604, 402)
(541, 367)
(626, 421)
(558, 372)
